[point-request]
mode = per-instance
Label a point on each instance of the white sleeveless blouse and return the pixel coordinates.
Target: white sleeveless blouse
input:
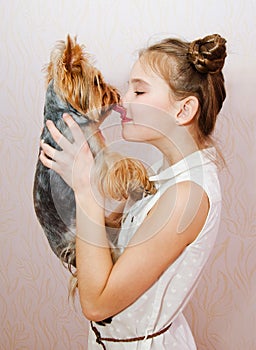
(165, 300)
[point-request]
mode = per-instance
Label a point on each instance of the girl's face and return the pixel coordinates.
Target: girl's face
(150, 108)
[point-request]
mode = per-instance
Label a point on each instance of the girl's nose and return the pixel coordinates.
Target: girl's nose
(126, 97)
(123, 101)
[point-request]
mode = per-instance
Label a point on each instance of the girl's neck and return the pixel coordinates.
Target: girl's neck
(177, 149)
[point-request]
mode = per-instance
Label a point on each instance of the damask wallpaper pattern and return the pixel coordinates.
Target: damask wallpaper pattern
(34, 310)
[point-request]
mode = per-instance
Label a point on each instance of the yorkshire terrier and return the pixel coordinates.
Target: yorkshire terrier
(75, 86)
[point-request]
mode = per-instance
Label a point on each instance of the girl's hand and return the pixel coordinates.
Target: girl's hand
(74, 163)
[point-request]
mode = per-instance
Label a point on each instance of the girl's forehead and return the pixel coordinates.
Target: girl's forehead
(137, 69)
(142, 72)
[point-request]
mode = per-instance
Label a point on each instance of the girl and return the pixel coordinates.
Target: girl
(176, 90)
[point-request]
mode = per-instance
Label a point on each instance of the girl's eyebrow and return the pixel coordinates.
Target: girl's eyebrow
(137, 80)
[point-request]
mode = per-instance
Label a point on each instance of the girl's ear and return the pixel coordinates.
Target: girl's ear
(187, 110)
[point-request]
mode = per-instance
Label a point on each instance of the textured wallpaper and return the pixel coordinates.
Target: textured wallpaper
(34, 310)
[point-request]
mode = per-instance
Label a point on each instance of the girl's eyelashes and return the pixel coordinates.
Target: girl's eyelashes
(138, 92)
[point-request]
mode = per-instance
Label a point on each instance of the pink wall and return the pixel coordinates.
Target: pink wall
(34, 312)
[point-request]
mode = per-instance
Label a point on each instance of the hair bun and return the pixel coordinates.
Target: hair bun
(208, 54)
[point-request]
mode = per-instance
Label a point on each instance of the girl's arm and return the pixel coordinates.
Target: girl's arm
(174, 222)
(106, 289)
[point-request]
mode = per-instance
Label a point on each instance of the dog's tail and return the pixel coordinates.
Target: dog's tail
(68, 259)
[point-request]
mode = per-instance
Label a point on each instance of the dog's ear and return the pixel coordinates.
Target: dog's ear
(73, 57)
(68, 55)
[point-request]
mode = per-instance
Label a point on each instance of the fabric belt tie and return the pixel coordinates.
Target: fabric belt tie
(100, 339)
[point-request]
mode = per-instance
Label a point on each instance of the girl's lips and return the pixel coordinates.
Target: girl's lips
(122, 111)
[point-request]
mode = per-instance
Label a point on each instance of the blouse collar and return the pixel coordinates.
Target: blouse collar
(193, 160)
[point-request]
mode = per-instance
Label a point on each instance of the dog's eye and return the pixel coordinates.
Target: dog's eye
(96, 81)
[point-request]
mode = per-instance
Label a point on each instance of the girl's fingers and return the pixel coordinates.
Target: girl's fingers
(57, 136)
(74, 128)
(48, 163)
(49, 151)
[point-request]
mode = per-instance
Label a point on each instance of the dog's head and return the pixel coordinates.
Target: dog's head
(78, 82)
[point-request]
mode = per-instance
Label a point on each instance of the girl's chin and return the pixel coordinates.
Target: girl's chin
(127, 136)
(132, 132)
(131, 137)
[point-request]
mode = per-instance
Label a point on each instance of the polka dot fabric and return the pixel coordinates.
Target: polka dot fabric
(164, 302)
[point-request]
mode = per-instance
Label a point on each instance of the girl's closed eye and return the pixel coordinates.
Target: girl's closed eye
(139, 92)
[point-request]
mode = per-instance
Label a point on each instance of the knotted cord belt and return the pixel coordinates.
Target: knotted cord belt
(100, 339)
